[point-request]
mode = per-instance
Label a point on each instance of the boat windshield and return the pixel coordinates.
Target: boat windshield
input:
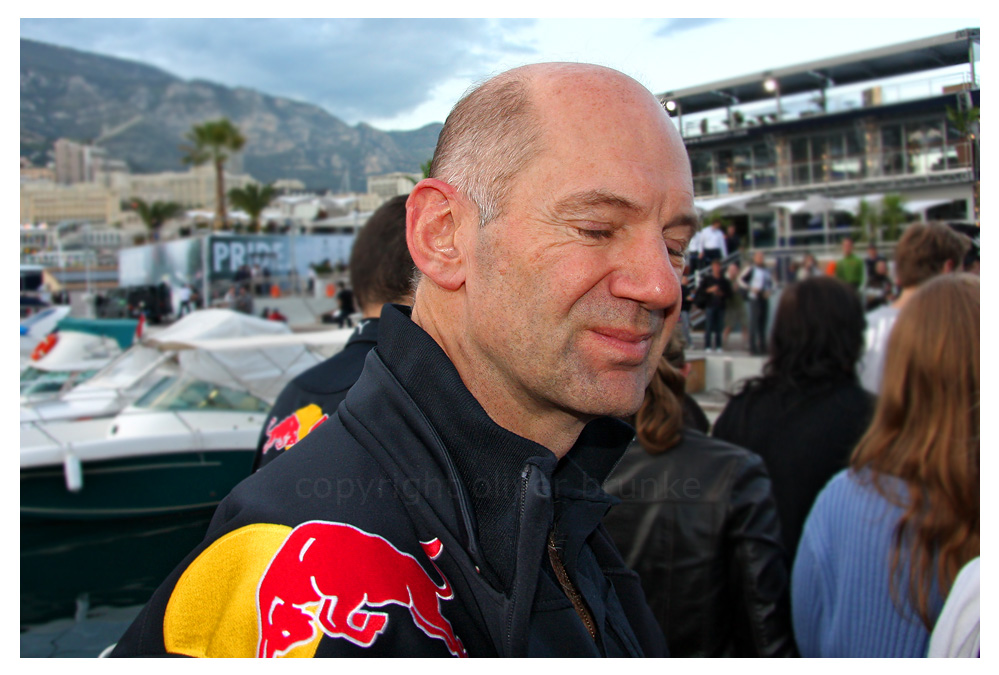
(35, 381)
(187, 393)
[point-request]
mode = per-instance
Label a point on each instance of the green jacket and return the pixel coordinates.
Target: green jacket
(851, 270)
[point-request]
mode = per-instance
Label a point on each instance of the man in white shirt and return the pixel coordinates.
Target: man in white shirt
(183, 300)
(695, 250)
(924, 251)
(758, 283)
(713, 243)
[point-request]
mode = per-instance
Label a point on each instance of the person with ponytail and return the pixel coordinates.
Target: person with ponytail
(887, 537)
(699, 525)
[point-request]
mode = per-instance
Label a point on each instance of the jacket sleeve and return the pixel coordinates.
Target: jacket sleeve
(759, 563)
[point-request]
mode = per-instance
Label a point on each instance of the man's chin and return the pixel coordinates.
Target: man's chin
(615, 404)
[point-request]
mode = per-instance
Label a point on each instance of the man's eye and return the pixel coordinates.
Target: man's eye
(595, 234)
(676, 248)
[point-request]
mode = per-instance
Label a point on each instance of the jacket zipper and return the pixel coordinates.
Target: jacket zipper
(569, 588)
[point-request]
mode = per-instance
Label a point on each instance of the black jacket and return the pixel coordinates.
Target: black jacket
(409, 524)
(805, 437)
(699, 525)
(706, 298)
(312, 397)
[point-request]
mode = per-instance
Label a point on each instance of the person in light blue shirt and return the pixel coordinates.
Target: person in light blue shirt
(887, 537)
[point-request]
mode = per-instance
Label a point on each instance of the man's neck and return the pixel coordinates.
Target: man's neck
(903, 297)
(554, 429)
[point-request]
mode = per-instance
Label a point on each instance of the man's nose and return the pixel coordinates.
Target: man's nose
(645, 272)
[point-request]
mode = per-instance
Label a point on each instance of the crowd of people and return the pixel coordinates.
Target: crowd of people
(854, 456)
(737, 297)
(476, 475)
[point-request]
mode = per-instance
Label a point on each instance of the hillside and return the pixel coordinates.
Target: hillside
(140, 114)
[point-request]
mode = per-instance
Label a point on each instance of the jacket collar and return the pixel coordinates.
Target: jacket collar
(366, 331)
(489, 458)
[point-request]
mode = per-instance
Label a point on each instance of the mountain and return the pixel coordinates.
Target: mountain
(140, 114)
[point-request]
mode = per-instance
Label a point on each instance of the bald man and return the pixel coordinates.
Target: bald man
(452, 506)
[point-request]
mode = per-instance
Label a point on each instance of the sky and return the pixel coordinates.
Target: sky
(398, 74)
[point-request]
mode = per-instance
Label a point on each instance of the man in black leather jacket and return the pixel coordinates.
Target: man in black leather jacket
(699, 524)
(453, 504)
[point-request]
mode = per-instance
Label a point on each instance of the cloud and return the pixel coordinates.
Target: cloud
(355, 68)
(674, 26)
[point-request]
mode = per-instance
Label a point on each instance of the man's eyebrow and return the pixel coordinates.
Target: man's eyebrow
(581, 201)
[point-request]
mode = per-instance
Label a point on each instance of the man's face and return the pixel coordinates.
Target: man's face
(758, 258)
(573, 291)
(872, 252)
(715, 268)
(847, 246)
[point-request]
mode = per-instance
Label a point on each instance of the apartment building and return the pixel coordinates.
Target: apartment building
(389, 185)
(191, 189)
(44, 201)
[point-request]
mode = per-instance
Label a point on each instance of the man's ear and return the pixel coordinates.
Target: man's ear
(948, 267)
(432, 221)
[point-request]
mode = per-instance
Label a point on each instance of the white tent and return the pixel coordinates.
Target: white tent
(731, 202)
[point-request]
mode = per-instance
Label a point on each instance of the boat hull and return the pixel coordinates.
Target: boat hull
(134, 487)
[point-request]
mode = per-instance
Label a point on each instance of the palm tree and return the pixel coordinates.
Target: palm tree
(155, 214)
(253, 199)
(212, 142)
(892, 215)
(425, 168)
(866, 217)
(966, 122)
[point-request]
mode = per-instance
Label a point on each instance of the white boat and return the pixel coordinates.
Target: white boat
(75, 351)
(181, 444)
(127, 377)
(36, 327)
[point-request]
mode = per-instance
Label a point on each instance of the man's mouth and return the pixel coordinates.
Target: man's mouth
(632, 346)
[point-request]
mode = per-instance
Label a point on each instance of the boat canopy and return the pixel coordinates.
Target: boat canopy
(227, 348)
(76, 350)
(121, 331)
(260, 364)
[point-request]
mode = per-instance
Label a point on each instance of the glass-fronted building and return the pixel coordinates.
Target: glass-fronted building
(789, 155)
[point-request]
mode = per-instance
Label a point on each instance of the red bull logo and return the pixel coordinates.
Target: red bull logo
(293, 428)
(332, 575)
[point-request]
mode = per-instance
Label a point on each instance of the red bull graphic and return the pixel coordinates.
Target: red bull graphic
(293, 428)
(331, 575)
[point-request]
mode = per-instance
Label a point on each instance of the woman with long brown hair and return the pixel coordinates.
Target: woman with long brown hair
(887, 537)
(699, 525)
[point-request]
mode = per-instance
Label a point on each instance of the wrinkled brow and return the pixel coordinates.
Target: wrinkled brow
(581, 201)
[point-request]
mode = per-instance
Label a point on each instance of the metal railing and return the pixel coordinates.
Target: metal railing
(806, 105)
(889, 162)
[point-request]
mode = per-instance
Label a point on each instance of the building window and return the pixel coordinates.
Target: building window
(701, 167)
(764, 166)
(801, 173)
(892, 152)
